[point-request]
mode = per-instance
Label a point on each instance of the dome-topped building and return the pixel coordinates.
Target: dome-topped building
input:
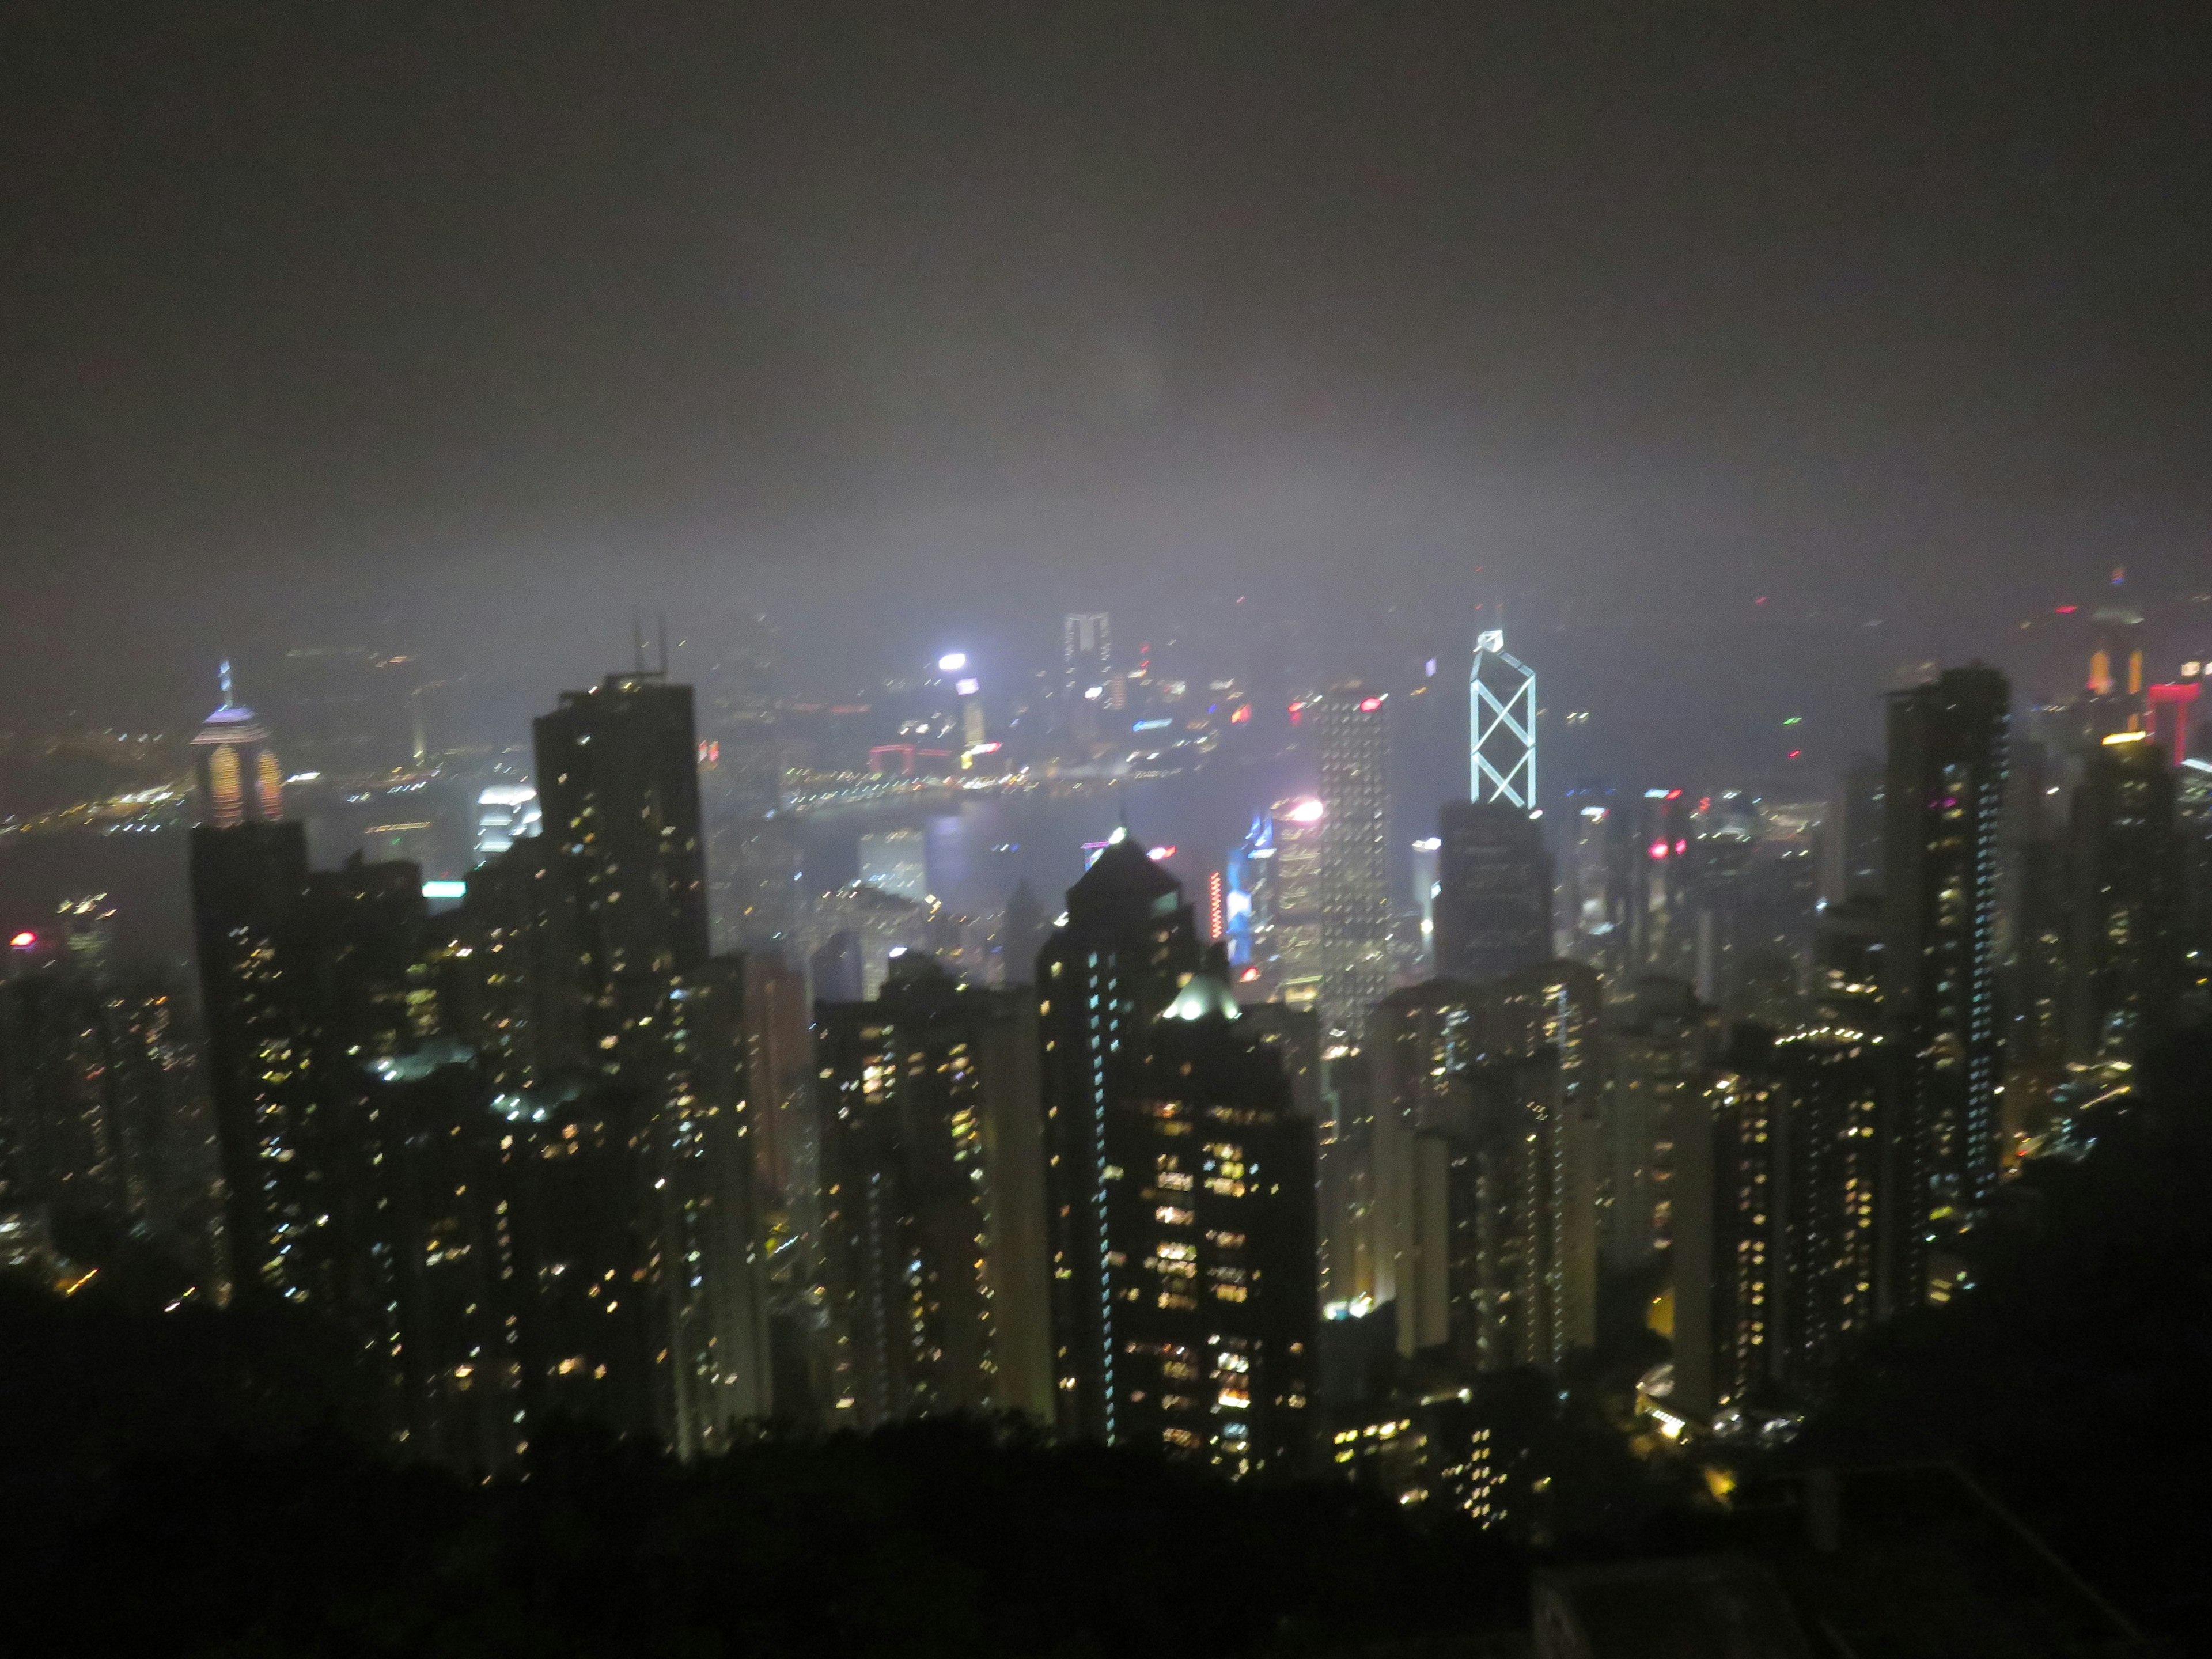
(240, 782)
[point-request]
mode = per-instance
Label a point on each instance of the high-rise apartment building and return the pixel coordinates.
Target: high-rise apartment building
(1941, 798)
(1494, 892)
(1779, 1191)
(660, 1028)
(1489, 1164)
(1353, 735)
(2123, 960)
(932, 1228)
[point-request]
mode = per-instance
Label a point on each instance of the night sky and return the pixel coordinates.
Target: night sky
(467, 328)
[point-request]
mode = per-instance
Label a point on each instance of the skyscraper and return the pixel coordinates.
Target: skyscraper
(1129, 944)
(1352, 733)
(1501, 692)
(1494, 893)
(1274, 905)
(1941, 801)
(2123, 960)
(933, 1250)
(238, 777)
(1488, 1164)
(1777, 1194)
(618, 772)
(1086, 651)
(1209, 1242)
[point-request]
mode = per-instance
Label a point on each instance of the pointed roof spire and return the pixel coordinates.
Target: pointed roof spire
(222, 679)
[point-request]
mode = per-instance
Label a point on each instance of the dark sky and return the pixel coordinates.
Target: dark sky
(470, 327)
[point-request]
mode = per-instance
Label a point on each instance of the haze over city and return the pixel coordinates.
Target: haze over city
(1302, 828)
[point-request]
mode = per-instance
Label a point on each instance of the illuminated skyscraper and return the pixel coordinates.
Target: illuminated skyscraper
(2123, 960)
(1087, 652)
(934, 1253)
(238, 779)
(506, 813)
(1776, 1189)
(1501, 725)
(646, 1015)
(1487, 1164)
(1128, 947)
(1274, 903)
(1210, 1253)
(1941, 802)
(1352, 733)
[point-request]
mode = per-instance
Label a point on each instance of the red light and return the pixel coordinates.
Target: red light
(1295, 710)
(24, 941)
(1795, 753)
(1674, 795)
(1247, 975)
(1761, 600)
(1658, 849)
(1370, 705)
(2067, 609)
(1243, 714)
(1680, 848)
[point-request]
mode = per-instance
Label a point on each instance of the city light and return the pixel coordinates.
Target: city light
(952, 662)
(24, 941)
(1308, 810)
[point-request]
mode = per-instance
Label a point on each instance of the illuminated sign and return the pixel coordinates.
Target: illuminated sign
(445, 889)
(968, 688)
(1152, 725)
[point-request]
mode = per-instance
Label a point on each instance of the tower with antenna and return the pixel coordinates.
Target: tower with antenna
(1501, 725)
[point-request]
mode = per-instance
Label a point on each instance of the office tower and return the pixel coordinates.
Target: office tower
(1941, 798)
(932, 1233)
(2125, 951)
(617, 771)
(1659, 858)
(1086, 653)
(1489, 1164)
(1778, 1188)
(1352, 733)
(1494, 892)
(238, 779)
(1208, 1248)
(895, 861)
(1591, 927)
(1274, 902)
(1660, 1044)
(1426, 874)
(1128, 944)
(506, 813)
(307, 980)
(1501, 693)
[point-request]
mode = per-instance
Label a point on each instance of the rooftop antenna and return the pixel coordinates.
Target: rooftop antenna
(664, 645)
(637, 641)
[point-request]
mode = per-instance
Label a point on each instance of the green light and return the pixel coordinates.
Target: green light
(1794, 720)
